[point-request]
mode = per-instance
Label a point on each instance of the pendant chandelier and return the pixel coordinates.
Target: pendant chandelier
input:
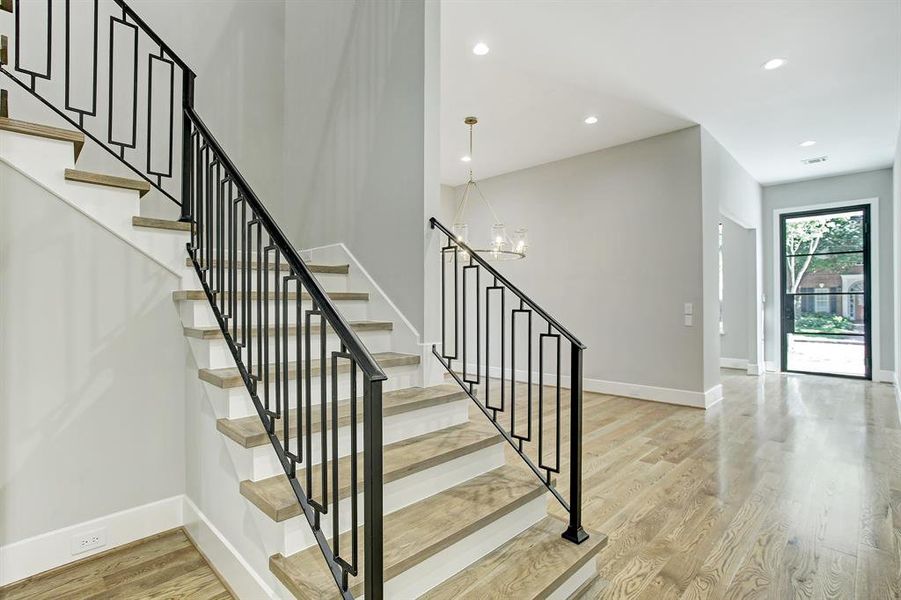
(500, 245)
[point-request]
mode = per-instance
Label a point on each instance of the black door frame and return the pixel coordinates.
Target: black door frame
(787, 308)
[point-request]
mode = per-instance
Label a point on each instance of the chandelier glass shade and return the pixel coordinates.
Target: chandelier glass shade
(500, 245)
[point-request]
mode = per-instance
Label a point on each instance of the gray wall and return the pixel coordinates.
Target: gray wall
(842, 188)
(615, 253)
(92, 369)
(738, 295)
(237, 50)
(731, 190)
(355, 107)
(896, 268)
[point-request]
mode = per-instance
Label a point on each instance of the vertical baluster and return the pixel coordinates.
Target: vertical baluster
(264, 326)
(308, 408)
(574, 531)
(286, 420)
(220, 229)
(245, 291)
(259, 320)
(372, 488)
(354, 517)
(209, 218)
(247, 298)
(278, 337)
(233, 268)
(298, 366)
(198, 200)
(323, 404)
(336, 527)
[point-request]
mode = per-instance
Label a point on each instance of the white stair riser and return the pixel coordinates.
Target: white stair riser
(238, 403)
(583, 575)
(298, 536)
(197, 313)
(166, 245)
(331, 282)
(214, 354)
(262, 461)
(414, 581)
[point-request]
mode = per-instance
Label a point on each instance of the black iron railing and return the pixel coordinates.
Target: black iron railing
(491, 375)
(254, 279)
(233, 231)
(122, 97)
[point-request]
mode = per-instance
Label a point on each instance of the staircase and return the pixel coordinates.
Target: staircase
(362, 477)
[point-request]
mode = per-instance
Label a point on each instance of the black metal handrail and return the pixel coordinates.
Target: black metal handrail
(225, 213)
(451, 253)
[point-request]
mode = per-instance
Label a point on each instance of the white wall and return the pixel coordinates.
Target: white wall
(357, 95)
(91, 368)
(842, 188)
(738, 286)
(615, 253)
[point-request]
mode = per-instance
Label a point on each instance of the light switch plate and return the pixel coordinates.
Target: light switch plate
(688, 320)
(689, 309)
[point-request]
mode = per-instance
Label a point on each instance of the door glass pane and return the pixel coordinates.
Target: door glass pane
(836, 232)
(823, 273)
(836, 315)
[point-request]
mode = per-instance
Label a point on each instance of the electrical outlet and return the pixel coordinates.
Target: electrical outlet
(88, 540)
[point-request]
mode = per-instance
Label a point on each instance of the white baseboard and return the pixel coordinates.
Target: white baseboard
(243, 580)
(771, 366)
(52, 549)
(884, 376)
(619, 388)
(733, 363)
(756, 369)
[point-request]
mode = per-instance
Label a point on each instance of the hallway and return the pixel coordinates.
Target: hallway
(789, 488)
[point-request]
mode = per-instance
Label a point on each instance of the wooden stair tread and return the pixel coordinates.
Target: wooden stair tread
(531, 565)
(215, 333)
(138, 185)
(275, 497)
(6, 5)
(229, 377)
(44, 131)
(195, 295)
(419, 531)
(249, 431)
(254, 264)
(160, 224)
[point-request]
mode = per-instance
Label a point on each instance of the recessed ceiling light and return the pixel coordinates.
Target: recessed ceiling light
(807, 143)
(774, 63)
(466, 158)
(480, 49)
(591, 120)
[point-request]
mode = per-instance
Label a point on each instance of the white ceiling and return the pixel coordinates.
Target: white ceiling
(648, 67)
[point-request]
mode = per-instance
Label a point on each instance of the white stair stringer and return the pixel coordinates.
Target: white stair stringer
(45, 162)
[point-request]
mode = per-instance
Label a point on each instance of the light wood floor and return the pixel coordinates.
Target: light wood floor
(166, 565)
(790, 488)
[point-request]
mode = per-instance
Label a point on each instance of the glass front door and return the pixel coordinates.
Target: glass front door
(826, 292)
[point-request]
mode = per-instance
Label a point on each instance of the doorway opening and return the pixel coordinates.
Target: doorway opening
(825, 291)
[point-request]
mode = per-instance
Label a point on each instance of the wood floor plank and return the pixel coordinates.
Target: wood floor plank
(166, 565)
